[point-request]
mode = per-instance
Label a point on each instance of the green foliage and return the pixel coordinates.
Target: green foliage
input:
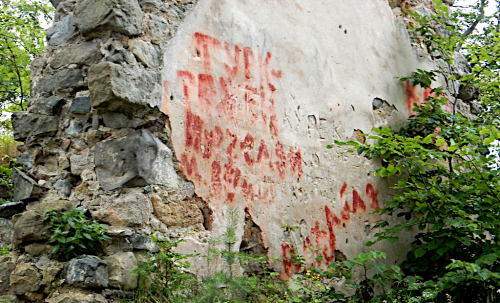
(163, 277)
(6, 176)
(21, 40)
(4, 250)
(448, 180)
(73, 234)
(227, 284)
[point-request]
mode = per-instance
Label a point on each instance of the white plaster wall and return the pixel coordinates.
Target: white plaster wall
(335, 57)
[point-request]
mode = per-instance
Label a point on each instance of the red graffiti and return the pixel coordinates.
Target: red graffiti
(231, 88)
(357, 202)
(416, 95)
(289, 267)
(372, 195)
(324, 241)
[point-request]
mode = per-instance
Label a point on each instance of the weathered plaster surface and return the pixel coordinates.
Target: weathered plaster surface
(254, 93)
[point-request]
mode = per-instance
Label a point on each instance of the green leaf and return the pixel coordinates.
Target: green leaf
(420, 252)
(440, 142)
(443, 250)
(488, 141)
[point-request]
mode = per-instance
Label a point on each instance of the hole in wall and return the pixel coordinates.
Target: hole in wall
(343, 225)
(340, 26)
(345, 32)
(339, 256)
(252, 243)
(347, 240)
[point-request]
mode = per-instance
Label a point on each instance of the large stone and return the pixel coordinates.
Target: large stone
(61, 31)
(50, 106)
(50, 273)
(55, 3)
(77, 297)
(37, 249)
(63, 79)
(157, 29)
(7, 266)
(63, 187)
(126, 162)
(81, 105)
(135, 160)
(184, 213)
(83, 53)
(24, 160)
(468, 93)
(394, 3)
(121, 266)
(460, 66)
(7, 210)
(87, 272)
(152, 4)
(78, 163)
(27, 124)
(145, 52)
(25, 278)
(131, 209)
(94, 17)
(30, 226)
(119, 120)
(25, 188)
(6, 231)
(115, 87)
(140, 242)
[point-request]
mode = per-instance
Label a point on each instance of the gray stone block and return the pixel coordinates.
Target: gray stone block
(87, 272)
(83, 53)
(468, 93)
(30, 227)
(7, 210)
(24, 187)
(114, 87)
(62, 31)
(50, 106)
(145, 52)
(27, 124)
(140, 242)
(126, 162)
(63, 187)
(94, 17)
(25, 161)
(121, 266)
(81, 105)
(64, 79)
(152, 4)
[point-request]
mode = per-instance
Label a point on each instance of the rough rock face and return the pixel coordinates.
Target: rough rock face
(28, 125)
(86, 272)
(93, 17)
(7, 266)
(25, 278)
(114, 87)
(126, 162)
(155, 132)
(120, 267)
(29, 227)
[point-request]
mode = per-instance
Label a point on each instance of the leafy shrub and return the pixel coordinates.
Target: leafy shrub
(73, 234)
(4, 250)
(6, 175)
(162, 278)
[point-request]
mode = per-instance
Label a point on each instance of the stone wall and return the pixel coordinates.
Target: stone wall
(158, 117)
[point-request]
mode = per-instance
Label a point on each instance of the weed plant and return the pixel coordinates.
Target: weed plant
(73, 234)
